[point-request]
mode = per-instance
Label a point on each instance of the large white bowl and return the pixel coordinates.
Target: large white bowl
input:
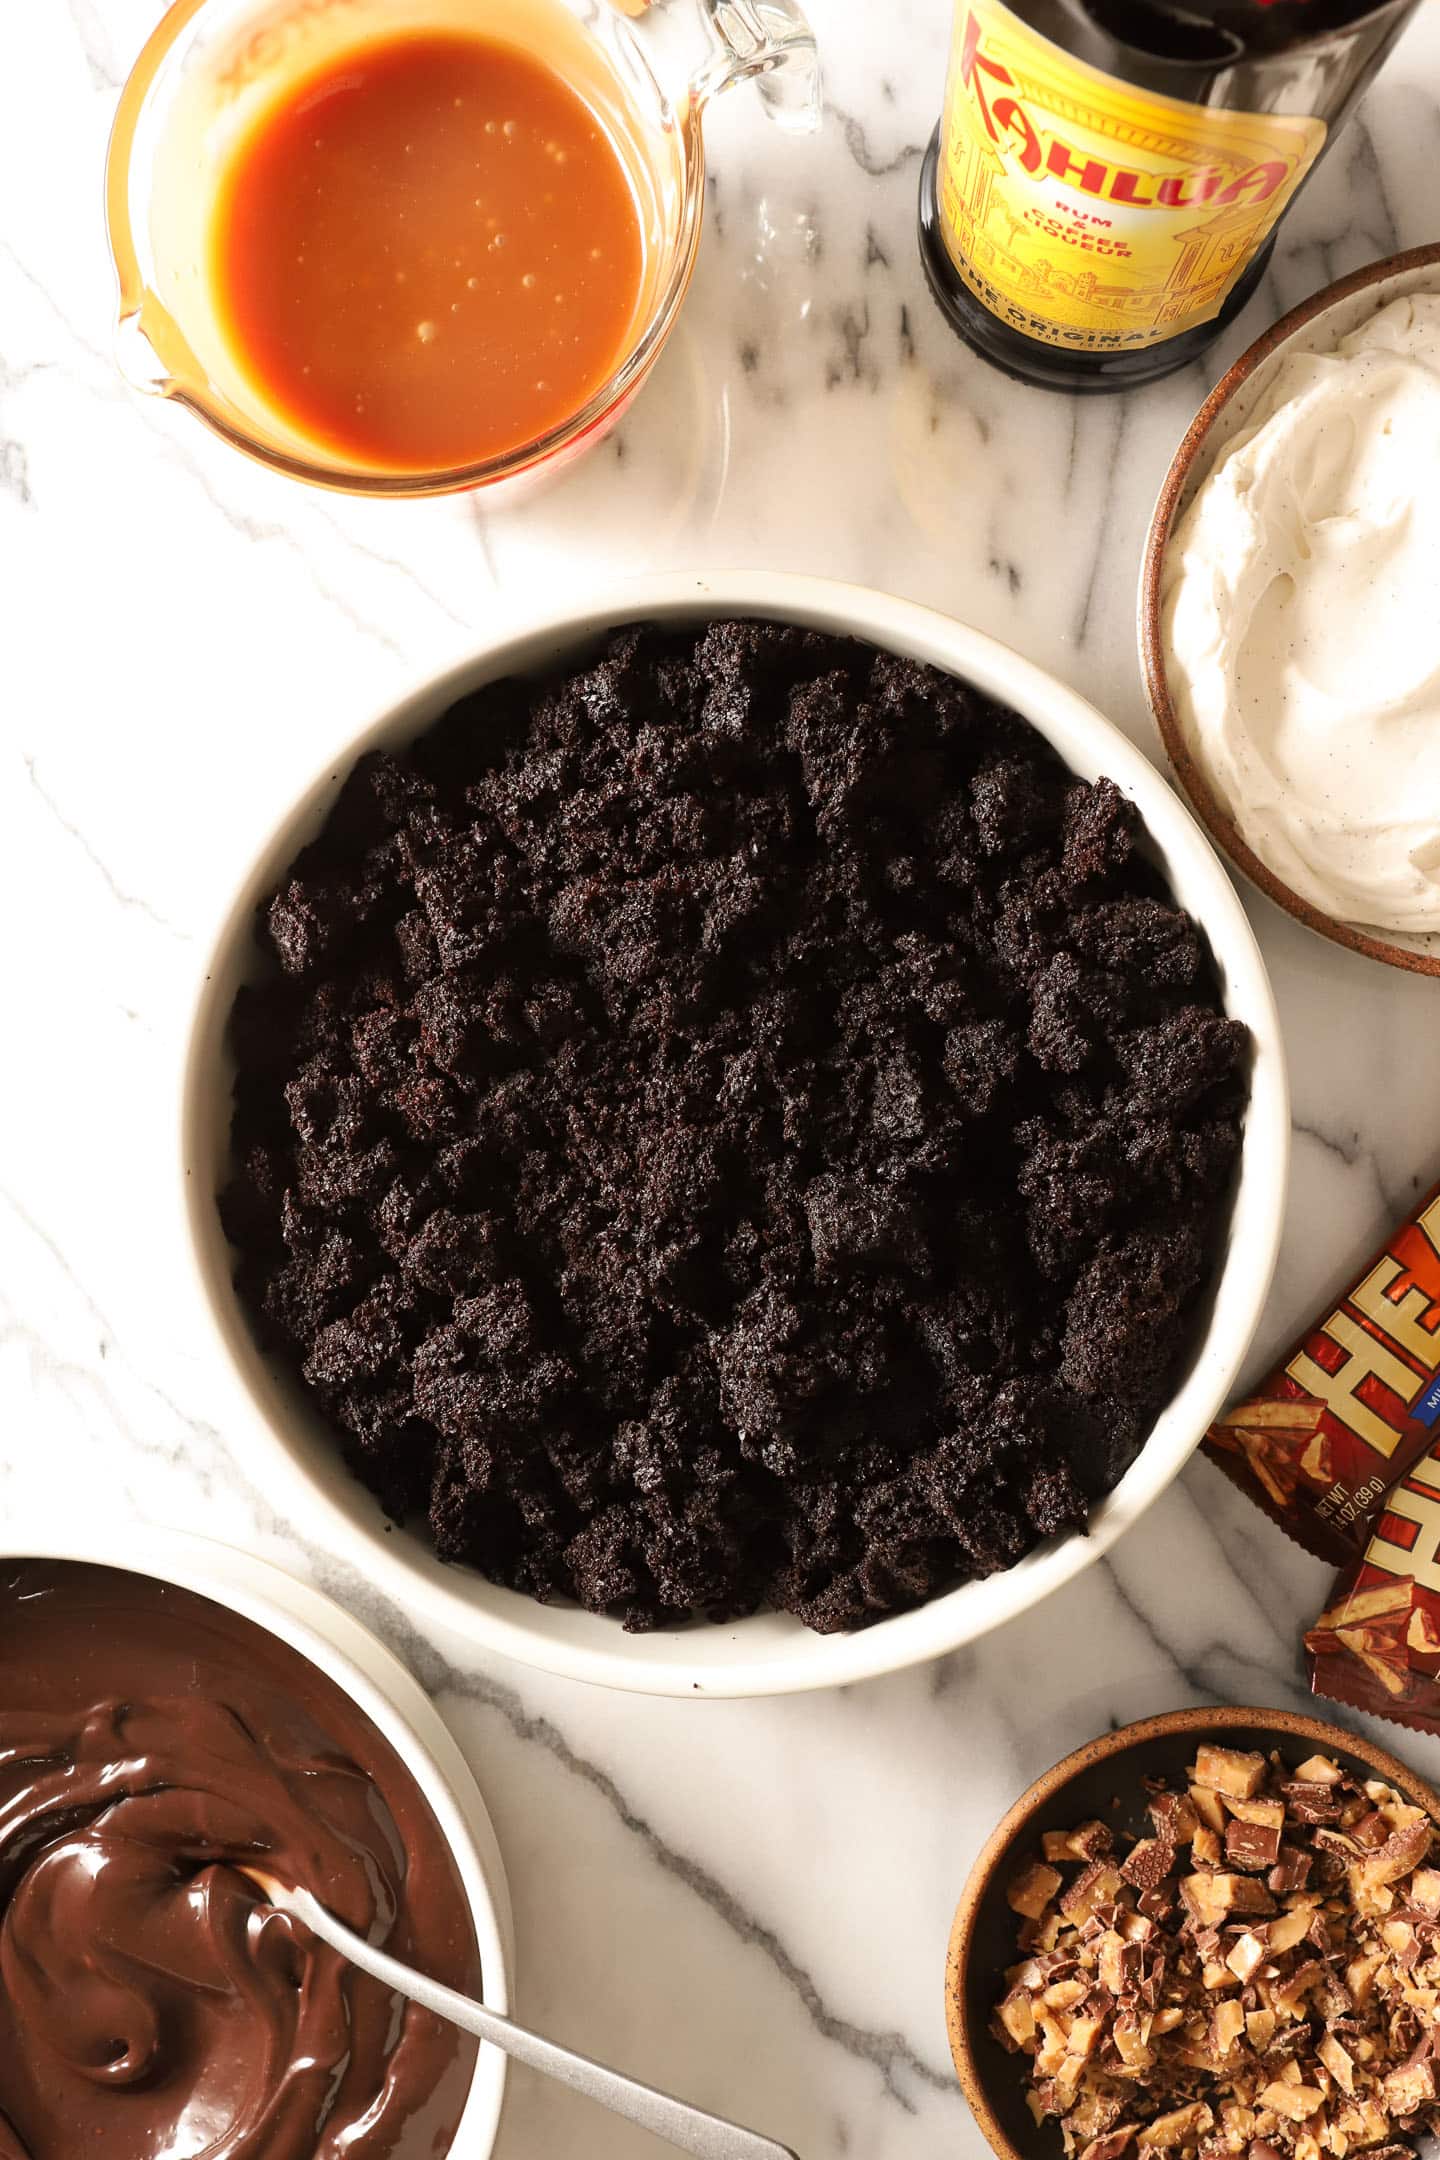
(292, 1453)
(359, 1664)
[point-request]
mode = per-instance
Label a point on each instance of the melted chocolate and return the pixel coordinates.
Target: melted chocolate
(149, 2005)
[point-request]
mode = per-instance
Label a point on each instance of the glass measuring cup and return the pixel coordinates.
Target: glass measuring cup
(212, 68)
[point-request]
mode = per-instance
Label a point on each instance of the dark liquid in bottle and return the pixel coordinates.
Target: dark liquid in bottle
(1309, 58)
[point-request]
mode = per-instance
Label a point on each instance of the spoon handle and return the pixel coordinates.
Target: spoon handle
(691, 2129)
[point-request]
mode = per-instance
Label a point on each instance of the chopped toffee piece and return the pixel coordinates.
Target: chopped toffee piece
(1174, 2003)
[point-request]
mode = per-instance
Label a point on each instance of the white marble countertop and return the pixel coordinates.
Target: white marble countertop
(746, 1901)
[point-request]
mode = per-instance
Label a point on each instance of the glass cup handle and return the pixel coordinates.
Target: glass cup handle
(767, 39)
(771, 40)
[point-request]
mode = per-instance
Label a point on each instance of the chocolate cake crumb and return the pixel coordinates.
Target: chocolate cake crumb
(735, 1123)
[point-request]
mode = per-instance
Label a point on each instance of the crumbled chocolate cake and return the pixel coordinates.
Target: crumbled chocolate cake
(735, 1123)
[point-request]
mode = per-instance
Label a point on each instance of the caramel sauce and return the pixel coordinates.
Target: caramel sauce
(428, 254)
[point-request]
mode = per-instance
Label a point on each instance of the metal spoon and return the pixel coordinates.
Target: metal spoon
(691, 2129)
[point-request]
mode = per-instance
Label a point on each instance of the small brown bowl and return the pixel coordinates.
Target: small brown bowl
(1085, 1785)
(1316, 325)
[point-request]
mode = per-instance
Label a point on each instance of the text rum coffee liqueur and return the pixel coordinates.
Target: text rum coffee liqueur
(1103, 188)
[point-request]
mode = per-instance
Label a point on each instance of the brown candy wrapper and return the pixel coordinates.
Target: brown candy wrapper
(1353, 1407)
(1377, 1643)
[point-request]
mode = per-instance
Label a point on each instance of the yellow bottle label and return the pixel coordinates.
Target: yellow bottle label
(1087, 213)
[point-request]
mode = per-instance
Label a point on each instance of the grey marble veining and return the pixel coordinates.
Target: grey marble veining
(749, 1901)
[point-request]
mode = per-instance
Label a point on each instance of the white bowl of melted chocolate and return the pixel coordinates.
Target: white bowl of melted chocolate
(154, 1739)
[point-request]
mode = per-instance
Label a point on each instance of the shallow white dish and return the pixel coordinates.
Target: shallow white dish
(288, 1448)
(394, 1702)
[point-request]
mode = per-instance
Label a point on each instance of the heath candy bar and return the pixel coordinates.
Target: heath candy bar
(1377, 1643)
(1354, 1405)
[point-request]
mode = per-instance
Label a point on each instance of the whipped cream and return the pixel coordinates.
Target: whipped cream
(1301, 612)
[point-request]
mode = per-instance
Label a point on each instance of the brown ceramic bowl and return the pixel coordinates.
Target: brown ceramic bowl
(1316, 325)
(982, 1941)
